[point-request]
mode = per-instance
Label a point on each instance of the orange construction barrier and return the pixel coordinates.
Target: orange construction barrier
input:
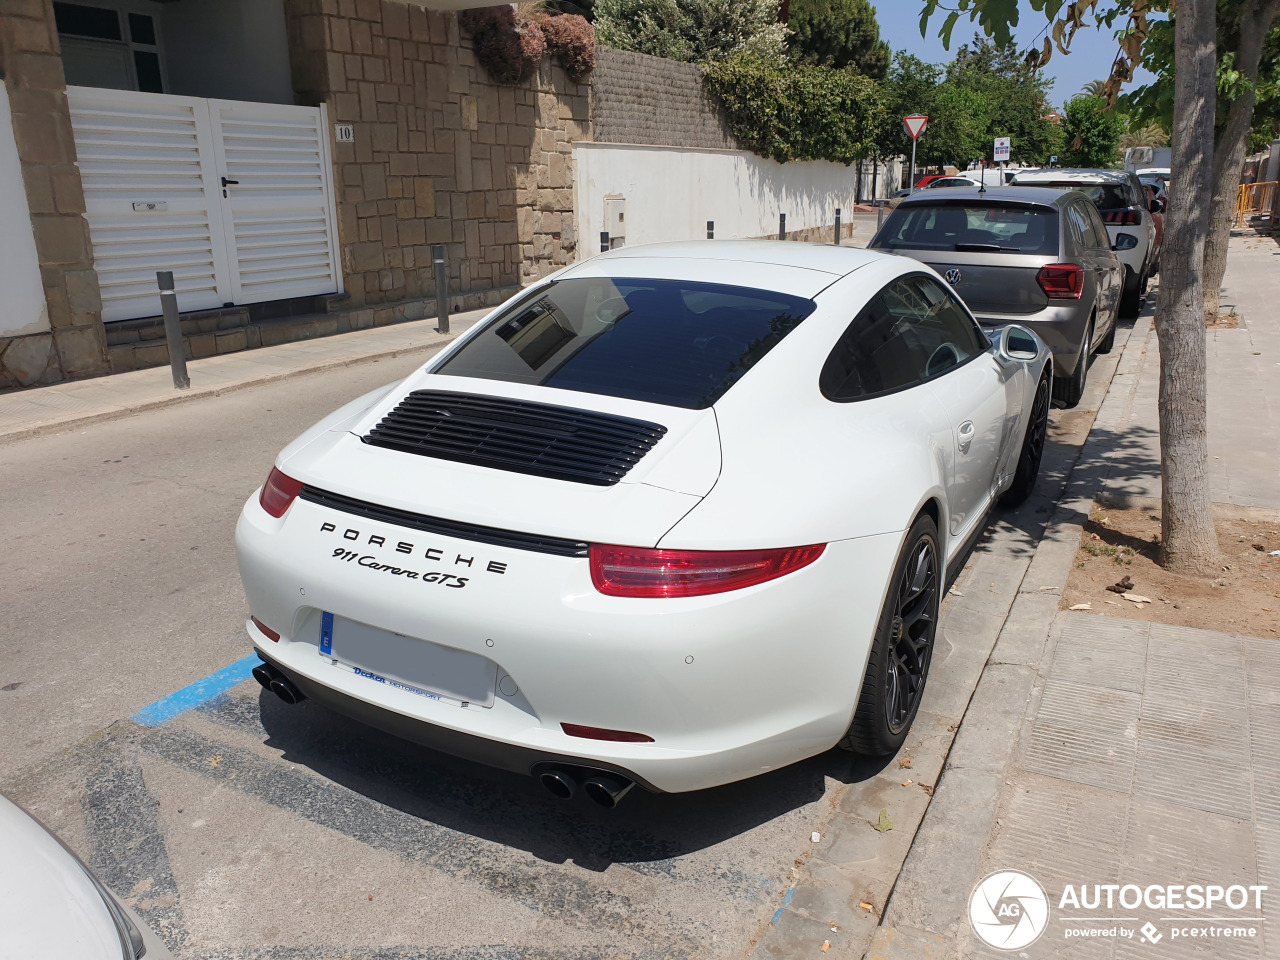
(1254, 199)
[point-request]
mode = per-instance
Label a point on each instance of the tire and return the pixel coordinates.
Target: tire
(1024, 477)
(1131, 298)
(903, 647)
(1069, 390)
(1109, 340)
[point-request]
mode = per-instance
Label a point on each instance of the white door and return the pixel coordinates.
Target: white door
(153, 168)
(151, 199)
(277, 210)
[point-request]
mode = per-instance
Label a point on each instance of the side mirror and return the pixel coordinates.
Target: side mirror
(1017, 343)
(1157, 206)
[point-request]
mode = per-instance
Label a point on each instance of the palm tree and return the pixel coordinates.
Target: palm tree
(1149, 135)
(1094, 88)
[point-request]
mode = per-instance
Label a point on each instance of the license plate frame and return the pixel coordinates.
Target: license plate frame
(409, 663)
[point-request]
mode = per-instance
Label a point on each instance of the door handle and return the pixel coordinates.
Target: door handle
(227, 183)
(966, 436)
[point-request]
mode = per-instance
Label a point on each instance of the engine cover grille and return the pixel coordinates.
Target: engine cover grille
(540, 439)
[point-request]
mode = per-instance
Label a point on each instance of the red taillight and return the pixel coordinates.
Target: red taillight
(1122, 218)
(600, 733)
(278, 492)
(1061, 281)
(266, 631)
(645, 572)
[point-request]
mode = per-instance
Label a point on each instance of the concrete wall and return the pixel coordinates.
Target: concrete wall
(22, 309)
(671, 192)
(227, 49)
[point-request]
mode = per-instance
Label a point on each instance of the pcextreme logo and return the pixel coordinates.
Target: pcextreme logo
(1009, 910)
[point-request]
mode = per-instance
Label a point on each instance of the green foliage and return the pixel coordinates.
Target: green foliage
(798, 111)
(695, 31)
(838, 33)
(1092, 133)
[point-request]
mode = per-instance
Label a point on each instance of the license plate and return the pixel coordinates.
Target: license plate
(418, 666)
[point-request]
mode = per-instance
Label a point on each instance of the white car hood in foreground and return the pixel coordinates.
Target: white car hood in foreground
(49, 908)
(664, 486)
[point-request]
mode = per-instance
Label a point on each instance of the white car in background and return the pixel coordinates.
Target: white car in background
(52, 907)
(677, 515)
(1122, 202)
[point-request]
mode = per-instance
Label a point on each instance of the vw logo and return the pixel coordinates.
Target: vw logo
(953, 276)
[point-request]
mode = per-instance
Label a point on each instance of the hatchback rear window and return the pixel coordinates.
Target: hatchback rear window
(977, 227)
(663, 341)
(1104, 196)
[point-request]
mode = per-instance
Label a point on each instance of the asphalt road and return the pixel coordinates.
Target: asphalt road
(250, 829)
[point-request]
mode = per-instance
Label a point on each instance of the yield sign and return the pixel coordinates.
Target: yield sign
(914, 125)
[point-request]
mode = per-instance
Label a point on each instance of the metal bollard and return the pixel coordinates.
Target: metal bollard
(172, 329)
(837, 226)
(711, 229)
(604, 241)
(782, 226)
(442, 288)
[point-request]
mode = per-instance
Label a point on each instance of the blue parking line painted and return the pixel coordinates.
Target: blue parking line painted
(202, 691)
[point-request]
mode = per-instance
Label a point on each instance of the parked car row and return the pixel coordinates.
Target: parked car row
(1064, 252)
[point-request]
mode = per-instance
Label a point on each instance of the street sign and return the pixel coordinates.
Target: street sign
(1053, 161)
(914, 125)
(1002, 149)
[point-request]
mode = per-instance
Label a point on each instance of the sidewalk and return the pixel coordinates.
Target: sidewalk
(63, 406)
(1101, 750)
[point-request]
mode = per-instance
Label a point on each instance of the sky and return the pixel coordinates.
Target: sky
(1092, 50)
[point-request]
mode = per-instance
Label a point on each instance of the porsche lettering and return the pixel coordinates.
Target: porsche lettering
(430, 553)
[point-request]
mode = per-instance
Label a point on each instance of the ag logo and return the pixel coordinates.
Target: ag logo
(1008, 910)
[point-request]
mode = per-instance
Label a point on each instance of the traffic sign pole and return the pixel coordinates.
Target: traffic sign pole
(912, 181)
(914, 125)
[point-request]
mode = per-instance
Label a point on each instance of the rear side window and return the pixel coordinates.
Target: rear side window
(976, 227)
(663, 341)
(912, 331)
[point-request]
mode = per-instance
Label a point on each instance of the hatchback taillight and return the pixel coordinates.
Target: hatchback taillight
(279, 492)
(1122, 218)
(646, 572)
(1061, 281)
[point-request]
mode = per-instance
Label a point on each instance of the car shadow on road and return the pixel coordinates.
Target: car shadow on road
(646, 830)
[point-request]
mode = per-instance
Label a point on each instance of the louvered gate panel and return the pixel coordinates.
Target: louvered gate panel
(149, 187)
(278, 215)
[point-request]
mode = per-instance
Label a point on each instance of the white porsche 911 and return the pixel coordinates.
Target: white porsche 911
(677, 515)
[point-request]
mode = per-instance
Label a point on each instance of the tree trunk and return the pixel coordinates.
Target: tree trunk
(1228, 155)
(1189, 543)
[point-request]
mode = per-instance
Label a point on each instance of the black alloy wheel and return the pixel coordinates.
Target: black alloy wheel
(1024, 476)
(898, 666)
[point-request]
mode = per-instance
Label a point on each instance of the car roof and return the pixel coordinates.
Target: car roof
(1042, 196)
(802, 269)
(1072, 173)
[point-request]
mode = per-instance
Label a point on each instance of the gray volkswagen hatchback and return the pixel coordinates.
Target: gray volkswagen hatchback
(1040, 257)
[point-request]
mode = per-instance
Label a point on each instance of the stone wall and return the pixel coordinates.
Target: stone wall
(636, 98)
(441, 153)
(32, 69)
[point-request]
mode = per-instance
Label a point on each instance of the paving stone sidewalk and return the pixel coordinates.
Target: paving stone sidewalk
(1099, 750)
(64, 406)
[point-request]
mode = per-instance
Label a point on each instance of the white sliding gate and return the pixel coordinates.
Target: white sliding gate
(235, 198)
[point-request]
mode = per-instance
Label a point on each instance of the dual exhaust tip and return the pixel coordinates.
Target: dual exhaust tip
(275, 681)
(601, 787)
(604, 788)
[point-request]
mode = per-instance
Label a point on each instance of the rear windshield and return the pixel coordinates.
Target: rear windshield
(1104, 196)
(973, 227)
(664, 341)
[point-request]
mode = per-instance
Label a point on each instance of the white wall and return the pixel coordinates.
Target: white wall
(22, 305)
(227, 50)
(671, 192)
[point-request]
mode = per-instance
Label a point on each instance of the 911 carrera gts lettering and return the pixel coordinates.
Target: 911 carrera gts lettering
(402, 546)
(370, 562)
